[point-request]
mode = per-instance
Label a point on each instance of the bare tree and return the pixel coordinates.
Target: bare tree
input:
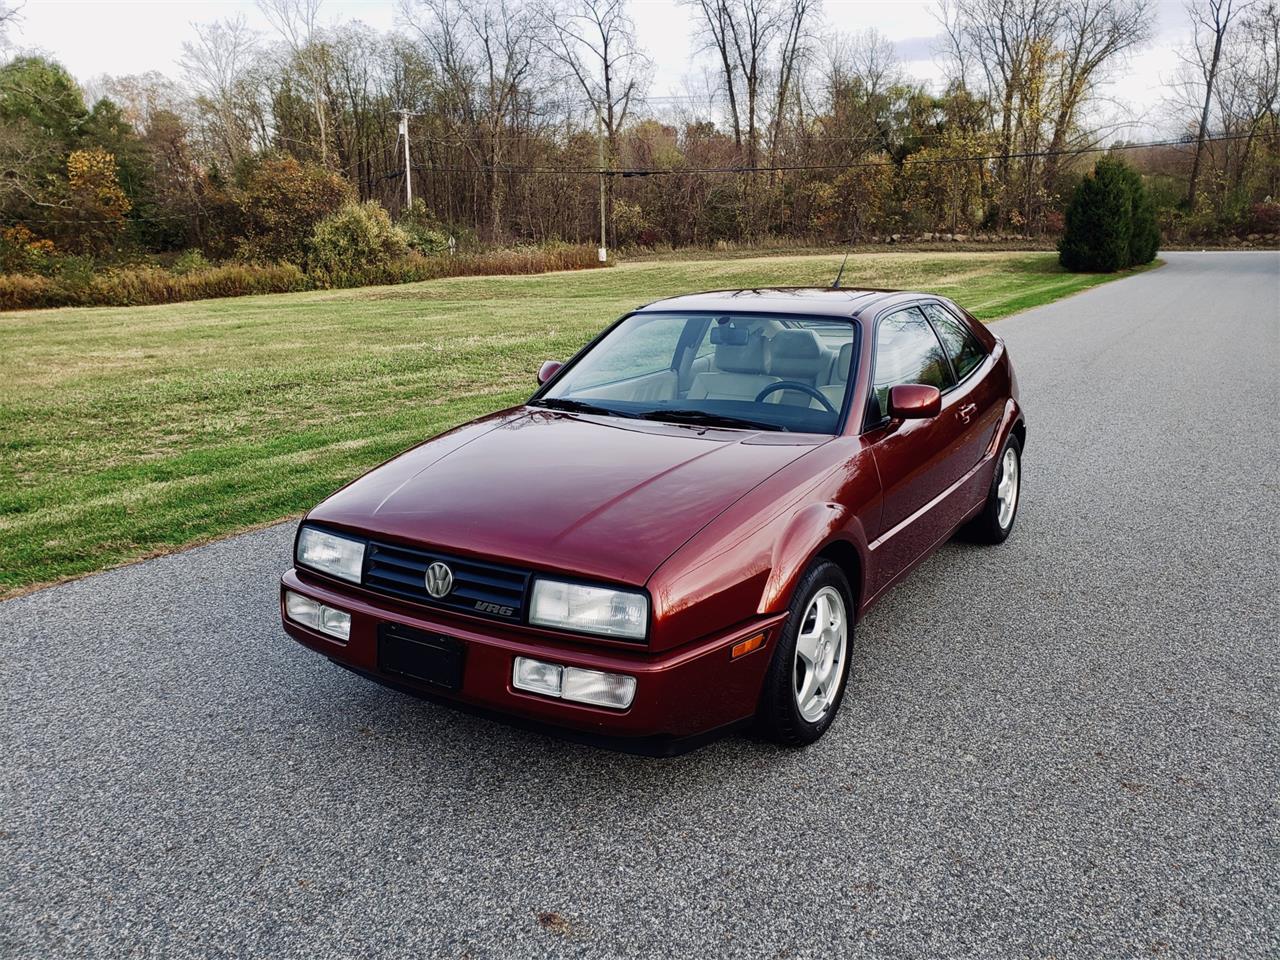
(873, 60)
(1094, 35)
(746, 37)
(483, 50)
(141, 96)
(296, 22)
(217, 65)
(1008, 40)
(1257, 73)
(1210, 21)
(10, 17)
(795, 39)
(1245, 102)
(859, 71)
(1038, 64)
(716, 28)
(594, 41)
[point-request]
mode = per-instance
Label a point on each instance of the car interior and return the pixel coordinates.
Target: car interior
(738, 359)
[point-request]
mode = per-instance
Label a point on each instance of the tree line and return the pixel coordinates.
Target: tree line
(513, 106)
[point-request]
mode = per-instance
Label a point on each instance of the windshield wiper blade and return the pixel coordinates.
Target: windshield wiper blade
(578, 406)
(703, 418)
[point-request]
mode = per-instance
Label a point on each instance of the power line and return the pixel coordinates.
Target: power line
(123, 221)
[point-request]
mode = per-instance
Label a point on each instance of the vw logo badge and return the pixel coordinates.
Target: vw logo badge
(439, 580)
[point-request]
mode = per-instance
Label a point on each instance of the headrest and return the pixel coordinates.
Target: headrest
(727, 333)
(795, 353)
(843, 360)
(741, 358)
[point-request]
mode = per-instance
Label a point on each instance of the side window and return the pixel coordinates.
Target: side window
(961, 345)
(907, 351)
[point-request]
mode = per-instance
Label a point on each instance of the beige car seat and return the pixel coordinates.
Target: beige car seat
(798, 355)
(834, 391)
(738, 373)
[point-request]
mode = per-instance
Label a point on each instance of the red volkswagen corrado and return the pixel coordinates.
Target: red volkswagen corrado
(678, 532)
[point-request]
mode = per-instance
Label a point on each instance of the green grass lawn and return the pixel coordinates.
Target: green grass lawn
(129, 431)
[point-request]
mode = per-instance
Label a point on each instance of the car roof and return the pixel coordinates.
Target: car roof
(810, 301)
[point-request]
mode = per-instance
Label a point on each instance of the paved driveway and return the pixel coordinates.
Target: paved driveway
(1080, 757)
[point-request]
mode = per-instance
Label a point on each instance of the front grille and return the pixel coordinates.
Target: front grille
(480, 588)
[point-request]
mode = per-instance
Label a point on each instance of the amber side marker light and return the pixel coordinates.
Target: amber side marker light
(743, 647)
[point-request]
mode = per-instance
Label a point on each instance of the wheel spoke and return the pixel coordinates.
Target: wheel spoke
(807, 645)
(805, 693)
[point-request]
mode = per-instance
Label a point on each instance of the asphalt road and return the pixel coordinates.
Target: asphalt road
(1067, 746)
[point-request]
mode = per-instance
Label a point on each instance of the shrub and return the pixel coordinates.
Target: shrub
(136, 286)
(1264, 217)
(74, 272)
(1110, 222)
(515, 260)
(629, 223)
(143, 285)
(426, 234)
(280, 205)
(189, 261)
(358, 238)
(19, 291)
(1098, 222)
(22, 252)
(1144, 235)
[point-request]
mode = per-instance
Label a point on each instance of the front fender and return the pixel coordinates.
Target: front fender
(809, 532)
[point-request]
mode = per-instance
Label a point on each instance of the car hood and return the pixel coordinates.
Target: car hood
(596, 497)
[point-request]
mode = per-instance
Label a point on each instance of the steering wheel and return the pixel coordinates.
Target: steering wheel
(802, 387)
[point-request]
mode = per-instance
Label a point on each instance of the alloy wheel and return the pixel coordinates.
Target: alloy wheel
(1007, 488)
(821, 647)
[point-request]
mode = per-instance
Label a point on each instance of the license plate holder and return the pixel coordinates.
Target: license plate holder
(422, 657)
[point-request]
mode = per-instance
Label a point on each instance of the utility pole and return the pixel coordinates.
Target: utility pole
(408, 168)
(604, 244)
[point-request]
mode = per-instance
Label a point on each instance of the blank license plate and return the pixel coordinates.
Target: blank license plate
(420, 656)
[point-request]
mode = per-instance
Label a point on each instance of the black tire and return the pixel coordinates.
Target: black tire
(778, 717)
(986, 526)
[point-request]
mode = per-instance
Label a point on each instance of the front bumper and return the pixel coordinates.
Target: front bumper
(683, 693)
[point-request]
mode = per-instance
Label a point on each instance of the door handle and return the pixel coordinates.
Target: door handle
(966, 412)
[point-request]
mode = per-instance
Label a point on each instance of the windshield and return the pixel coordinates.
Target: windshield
(748, 371)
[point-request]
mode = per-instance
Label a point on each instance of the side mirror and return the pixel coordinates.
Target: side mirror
(548, 370)
(914, 401)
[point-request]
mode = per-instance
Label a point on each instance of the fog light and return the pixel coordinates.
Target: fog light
(302, 609)
(336, 623)
(309, 613)
(536, 676)
(603, 689)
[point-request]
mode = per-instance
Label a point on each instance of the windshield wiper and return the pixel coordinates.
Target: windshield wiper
(703, 418)
(578, 406)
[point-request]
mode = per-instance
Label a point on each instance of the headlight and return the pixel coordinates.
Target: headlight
(599, 610)
(329, 553)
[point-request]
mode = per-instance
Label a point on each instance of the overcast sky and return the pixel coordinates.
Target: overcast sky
(92, 37)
